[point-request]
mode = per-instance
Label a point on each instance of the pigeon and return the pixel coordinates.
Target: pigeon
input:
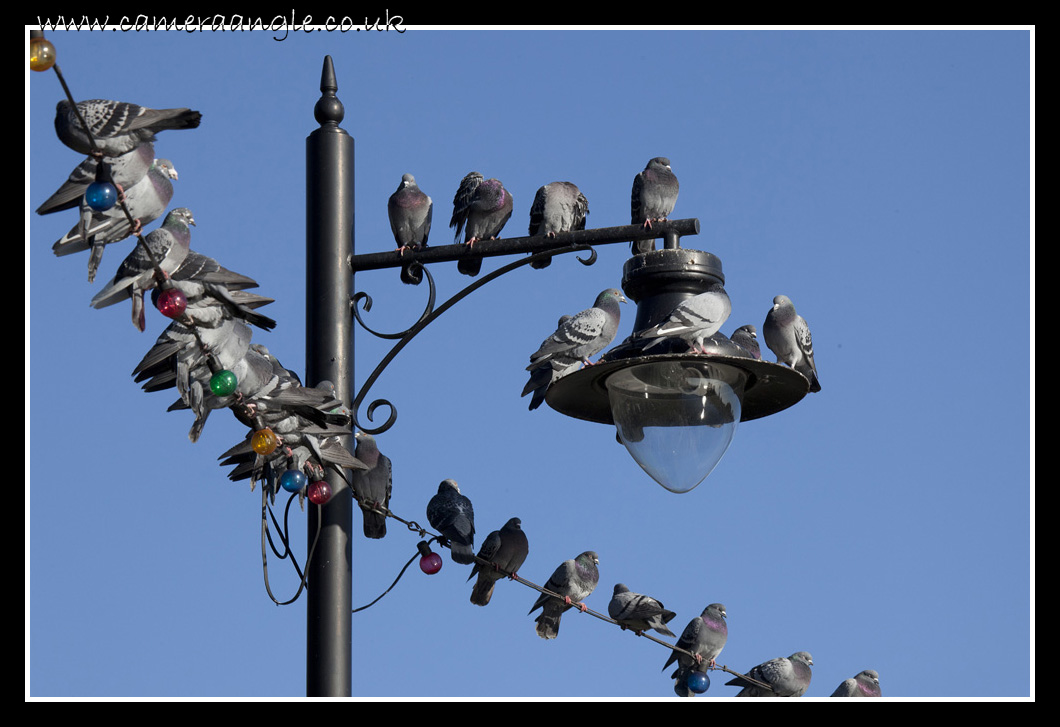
(506, 549)
(694, 319)
(788, 677)
(557, 207)
(573, 580)
(638, 612)
(583, 335)
(865, 684)
(746, 337)
(480, 210)
(788, 336)
(373, 485)
(146, 200)
(117, 127)
(169, 245)
(704, 636)
(410, 210)
(125, 170)
(451, 514)
(653, 198)
(576, 338)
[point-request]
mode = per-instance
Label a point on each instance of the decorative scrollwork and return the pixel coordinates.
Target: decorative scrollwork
(429, 315)
(358, 297)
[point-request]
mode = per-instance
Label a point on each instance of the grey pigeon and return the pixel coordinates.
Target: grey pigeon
(372, 485)
(169, 245)
(788, 336)
(746, 337)
(304, 444)
(117, 127)
(506, 549)
(652, 199)
(215, 293)
(574, 341)
(704, 636)
(410, 211)
(694, 319)
(557, 207)
(451, 514)
(573, 580)
(125, 170)
(146, 200)
(865, 684)
(481, 208)
(638, 612)
(788, 677)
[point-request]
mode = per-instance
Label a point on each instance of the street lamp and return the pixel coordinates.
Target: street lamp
(675, 411)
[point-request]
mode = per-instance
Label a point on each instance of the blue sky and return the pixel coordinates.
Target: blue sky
(882, 179)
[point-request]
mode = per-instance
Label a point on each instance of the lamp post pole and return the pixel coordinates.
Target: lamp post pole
(329, 355)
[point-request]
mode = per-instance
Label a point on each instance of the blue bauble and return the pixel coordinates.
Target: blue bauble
(101, 196)
(698, 682)
(293, 480)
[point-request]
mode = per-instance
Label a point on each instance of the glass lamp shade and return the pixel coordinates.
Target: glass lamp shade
(677, 418)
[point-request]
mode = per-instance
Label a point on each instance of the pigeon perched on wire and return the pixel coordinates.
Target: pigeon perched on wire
(573, 581)
(787, 677)
(481, 208)
(373, 485)
(125, 170)
(145, 200)
(865, 684)
(310, 424)
(652, 199)
(506, 549)
(410, 211)
(704, 636)
(214, 293)
(557, 207)
(746, 337)
(116, 126)
(639, 612)
(788, 336)
(168, 246)
(694, 320)
(575, 340)
(451, 514)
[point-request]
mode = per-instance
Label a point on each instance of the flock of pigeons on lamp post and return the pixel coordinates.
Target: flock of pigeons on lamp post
(212, 332)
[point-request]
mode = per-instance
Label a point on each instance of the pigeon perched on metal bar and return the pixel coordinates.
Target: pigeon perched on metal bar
(410, 212)
(653, 198)
(788, 336)
(557, 207)
(694, 320)
(746, 337)
(574, 341)
(481, 208)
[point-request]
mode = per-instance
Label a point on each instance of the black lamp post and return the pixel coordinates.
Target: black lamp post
(671, 406)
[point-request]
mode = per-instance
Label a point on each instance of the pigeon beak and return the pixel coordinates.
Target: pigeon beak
(622, 298)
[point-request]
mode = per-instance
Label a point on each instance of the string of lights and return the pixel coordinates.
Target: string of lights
(254, 461)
